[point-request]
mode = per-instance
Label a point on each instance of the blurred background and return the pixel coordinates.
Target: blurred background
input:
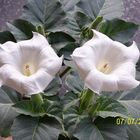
(11, 9)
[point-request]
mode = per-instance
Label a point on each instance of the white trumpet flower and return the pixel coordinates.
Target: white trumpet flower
(107, 65)
(28, 66)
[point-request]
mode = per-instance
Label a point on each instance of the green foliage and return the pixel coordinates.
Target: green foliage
(29, 128)
(119, 30)
(21, 29)
(6, 36)
(76, 113)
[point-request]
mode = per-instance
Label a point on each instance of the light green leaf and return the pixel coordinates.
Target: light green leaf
(68, 5)
(29, 128)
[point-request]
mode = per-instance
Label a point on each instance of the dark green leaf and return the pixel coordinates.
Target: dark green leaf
(53, 87)
(74, 82)
(7, 113)
(107, 107)
(6, 36)
(119, 30)
(58, 40)
(106, 8)
(68, 50)
(21, 29)
(102, 129)
(45, 12)
(29, 128)
(110, 130)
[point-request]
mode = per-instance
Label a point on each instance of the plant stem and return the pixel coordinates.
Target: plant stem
(64, 71)
(37, 99)
(96, 22)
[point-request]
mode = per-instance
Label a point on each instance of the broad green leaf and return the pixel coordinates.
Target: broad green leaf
(131, 100)
(108, 9)
(68, 5)
(133, 106)
(45, 12)
(107, 107)
(27, 107)
(112, 9)
(119, 30)
(59, 40)
(100, 129)
(70, 99)
(6, 36)
(35, 128)
(53, 87)
(7, 113)
(21, 29)
(74, 83)
(68, 50)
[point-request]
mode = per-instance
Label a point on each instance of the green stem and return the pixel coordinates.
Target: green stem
(86, 100)
(40, 29)
(37, 99)
(96, 22)
(67, 69)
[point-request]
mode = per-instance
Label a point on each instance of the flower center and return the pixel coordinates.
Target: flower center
(28, 69)
(104, 67)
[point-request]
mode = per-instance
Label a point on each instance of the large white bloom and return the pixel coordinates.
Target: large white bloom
(107, 65)
(28, 66)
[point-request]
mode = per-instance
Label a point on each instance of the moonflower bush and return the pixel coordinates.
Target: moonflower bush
(70, 70)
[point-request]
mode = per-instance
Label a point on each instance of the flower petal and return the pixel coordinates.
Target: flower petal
(9, 51)
(24, 85)
(36, 83)
(97, 81)
(84, 60)
(126, 76)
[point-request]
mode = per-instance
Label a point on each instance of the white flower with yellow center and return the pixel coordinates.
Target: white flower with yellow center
(28, 66)
(107, 65)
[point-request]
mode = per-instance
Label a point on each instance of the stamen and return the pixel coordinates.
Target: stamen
(27, 70)
(104, 68)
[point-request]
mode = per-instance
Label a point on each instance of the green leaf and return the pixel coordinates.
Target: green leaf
(69, 5)
(106, 8)
(53, 87)
(59, 40)
(6, 36)
(119, 30)
(107, 107)
(45, 12)
(131, 100)
(74, 83)
(29, 128)
(101, 129)
(7, 113)
(70, 99)
(68, 50)
(29, 108)
(21, 29)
